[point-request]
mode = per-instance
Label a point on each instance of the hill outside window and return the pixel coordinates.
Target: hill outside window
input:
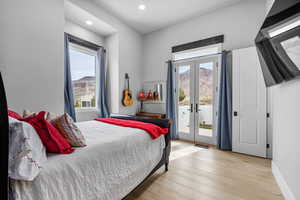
(83, 72)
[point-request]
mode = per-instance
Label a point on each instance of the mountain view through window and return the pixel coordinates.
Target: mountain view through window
(83, 74)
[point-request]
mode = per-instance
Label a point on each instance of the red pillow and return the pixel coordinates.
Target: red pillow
(50, 136)
(14, 115)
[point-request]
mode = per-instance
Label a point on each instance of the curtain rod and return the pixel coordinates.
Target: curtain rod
(83, 42)
(194, 57)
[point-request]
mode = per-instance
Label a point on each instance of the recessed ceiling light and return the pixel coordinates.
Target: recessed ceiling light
(142, 7)
(88, 22)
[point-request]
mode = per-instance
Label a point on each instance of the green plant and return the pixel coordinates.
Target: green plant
(94, 101)
(206, 126)
(181, 94)
(77, 104)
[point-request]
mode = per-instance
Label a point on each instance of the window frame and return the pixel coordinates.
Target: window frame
(91, 52)
(218, 46)
(276, 43)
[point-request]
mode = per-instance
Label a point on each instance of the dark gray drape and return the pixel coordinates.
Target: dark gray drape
(102, 89)
(171, 100)
(224, 126)
(68, 91)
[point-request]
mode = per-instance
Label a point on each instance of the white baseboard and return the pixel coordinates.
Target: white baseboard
(286, 191)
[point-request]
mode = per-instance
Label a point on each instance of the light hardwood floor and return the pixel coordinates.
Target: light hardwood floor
(209, 174)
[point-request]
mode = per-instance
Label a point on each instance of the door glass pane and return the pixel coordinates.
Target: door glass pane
(292, 48)
(205, 102)
(184, 77)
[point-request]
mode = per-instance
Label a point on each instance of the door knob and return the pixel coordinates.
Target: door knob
(197, 109)
(191, 109)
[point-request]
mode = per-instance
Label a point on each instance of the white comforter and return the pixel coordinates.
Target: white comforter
(114, 162)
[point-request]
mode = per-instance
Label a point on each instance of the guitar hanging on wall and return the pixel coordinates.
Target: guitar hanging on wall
(127, 94)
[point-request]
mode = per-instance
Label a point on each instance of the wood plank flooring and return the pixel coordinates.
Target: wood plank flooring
(209, 174)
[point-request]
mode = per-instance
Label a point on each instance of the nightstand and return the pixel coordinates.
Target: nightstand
(151, 115)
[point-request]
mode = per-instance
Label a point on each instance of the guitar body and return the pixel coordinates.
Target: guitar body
(127, 94)
(127, 98)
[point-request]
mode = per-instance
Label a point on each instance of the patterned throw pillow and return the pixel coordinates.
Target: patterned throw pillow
(50, 136)
(48, 116)
(27, 113)
(69, 130)
(27, 154)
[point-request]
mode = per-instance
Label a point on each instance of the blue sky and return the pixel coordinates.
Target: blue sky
(208, 65)
(81, 64)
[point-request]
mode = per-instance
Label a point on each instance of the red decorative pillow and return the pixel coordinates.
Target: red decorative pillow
(50, 136)
(14, 115)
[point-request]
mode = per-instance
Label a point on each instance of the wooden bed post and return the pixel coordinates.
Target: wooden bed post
(4, 143)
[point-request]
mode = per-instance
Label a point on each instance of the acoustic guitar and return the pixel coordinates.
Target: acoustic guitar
(127, 94)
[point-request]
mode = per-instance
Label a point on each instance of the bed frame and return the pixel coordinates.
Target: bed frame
(163, 123)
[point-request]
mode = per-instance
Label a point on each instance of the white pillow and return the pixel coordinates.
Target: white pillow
(27, 154)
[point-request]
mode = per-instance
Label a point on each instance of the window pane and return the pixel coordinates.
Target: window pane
(83, 78)
(204, 51)
(184, 102)
(292, 48)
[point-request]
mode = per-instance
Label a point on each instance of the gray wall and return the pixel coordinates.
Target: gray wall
(239, 23)
(31, 54)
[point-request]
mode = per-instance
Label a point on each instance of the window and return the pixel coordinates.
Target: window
(292, 49)
(83, 72)
(284, 27)
(199, 52)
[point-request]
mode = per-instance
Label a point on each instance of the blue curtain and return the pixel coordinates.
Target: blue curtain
(68, 91)
(171, 100)
(224, 127)
(102, 89)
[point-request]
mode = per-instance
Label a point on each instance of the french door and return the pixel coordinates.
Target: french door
(197, 91)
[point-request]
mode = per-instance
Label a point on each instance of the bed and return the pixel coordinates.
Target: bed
(114, 163)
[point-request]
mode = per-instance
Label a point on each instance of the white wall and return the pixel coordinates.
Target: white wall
(113, 49)
(285, 109)
(31, 54)
(286, 133)
(130, 54)
(83, 33)
(239, 23)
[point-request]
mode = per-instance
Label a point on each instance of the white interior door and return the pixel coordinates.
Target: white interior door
(249, 104)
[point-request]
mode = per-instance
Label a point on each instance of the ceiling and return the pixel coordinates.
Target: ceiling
(160, 13)
(78, 15)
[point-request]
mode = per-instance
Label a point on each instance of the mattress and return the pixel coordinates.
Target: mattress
(115, 161)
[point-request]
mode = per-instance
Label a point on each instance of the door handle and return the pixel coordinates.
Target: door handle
(235, 113)
(191, 109)
(197, 107)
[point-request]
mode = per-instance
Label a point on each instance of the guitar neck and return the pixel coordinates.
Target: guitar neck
(128, 83)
